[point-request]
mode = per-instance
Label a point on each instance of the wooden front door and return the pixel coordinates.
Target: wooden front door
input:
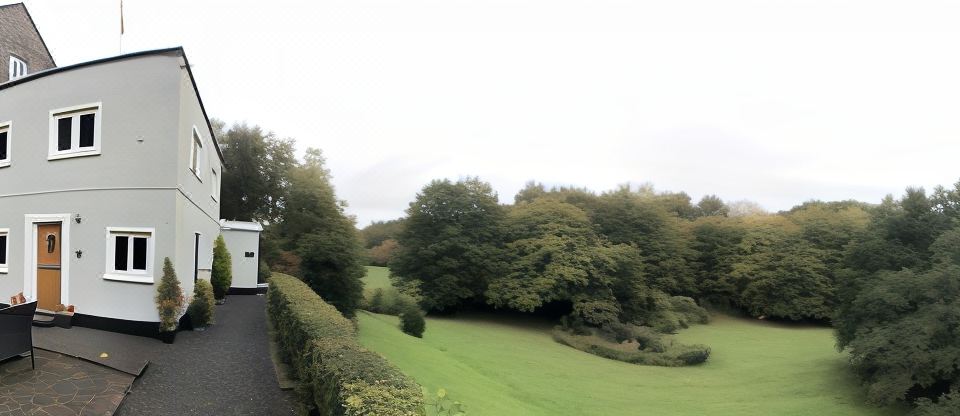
(48, 266)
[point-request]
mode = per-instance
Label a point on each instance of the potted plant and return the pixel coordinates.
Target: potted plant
(63, 316)
(169, 301)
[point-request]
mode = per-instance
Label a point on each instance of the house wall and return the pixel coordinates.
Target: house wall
(140, 179)
(86, 288)
(244, 268)
(19, 37)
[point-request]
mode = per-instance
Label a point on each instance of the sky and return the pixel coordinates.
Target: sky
(773, 101)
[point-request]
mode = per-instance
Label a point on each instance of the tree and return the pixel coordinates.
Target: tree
(712, 206)
(379, 231)
(254, 187)
(554, 255)
(222, 275)
(778, 274)
(381, 254)
(628, 217)
(324, 240)
(903, 334)
(169, 298)
(716, 242)
(451, 244)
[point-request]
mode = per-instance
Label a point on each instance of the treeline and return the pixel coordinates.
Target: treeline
(886, 276)
(306, 232)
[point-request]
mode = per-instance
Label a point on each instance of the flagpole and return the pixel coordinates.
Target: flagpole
(121, 27)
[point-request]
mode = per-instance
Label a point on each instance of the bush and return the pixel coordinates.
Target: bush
(387, 301)
(335, 375)
(655, 353)
(169, 298)
(222, 275)
(201, 307)
(411, 320)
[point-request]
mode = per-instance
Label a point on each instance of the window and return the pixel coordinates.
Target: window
(4, 144)
(4, 254)
(18, 68)
(75, 131)
(196, 151)
(130, 254)
(215, 193)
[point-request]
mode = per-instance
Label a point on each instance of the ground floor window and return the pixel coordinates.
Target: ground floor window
(4, 254)
(130, 254)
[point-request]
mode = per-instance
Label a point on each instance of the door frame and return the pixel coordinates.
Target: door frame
(30, 222)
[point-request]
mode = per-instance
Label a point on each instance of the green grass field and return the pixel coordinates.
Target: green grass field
(510, 366)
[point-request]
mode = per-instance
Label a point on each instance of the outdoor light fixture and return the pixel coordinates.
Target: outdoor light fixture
(79, 253)
(77, 219)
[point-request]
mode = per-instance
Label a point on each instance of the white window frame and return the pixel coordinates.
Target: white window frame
(139, 276)
(196, 153)
(5, 267)
(7, 127)
(215, 184)
(15, 65)
(75, 112)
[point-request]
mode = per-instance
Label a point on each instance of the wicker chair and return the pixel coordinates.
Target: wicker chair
(16, 323)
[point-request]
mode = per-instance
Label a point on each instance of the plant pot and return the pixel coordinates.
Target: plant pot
(168, 336)
(63, 320)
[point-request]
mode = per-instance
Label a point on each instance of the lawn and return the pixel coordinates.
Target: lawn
(501, 365)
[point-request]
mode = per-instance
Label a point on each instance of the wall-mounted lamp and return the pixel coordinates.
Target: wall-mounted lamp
(79, 253)
(77, 218)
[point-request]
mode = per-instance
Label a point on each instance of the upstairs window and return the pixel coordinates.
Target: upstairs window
(130, 254)
(215, 192)
(4, 235)
(75, 131)
(196, 153)
(18, 68)
(4, 144)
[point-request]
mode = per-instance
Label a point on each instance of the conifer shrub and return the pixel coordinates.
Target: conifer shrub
(169, 298)
(335, 374)
(201, 307)
(222, 275)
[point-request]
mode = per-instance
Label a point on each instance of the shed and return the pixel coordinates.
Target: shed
(243, 243)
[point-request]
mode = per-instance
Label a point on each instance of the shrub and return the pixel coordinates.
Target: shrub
(263, 272)
(387, 301)
(674, 355)
(201, 307)
(335, 375)
(169, 298)
(411, 320)
(222, 275)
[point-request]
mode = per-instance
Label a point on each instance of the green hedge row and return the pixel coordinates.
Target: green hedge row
(336, 376)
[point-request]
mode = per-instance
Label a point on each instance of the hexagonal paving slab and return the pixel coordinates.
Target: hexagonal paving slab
(60, 385)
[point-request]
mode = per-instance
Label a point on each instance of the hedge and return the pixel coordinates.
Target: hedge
(336, 376)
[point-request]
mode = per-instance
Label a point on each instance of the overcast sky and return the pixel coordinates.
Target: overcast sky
(773, 101)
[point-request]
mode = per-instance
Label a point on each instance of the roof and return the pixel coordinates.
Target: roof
(240, 226)
(177, 51)
(27, 11)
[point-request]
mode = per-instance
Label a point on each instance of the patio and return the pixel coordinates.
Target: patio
(60, 385)
(224, 370)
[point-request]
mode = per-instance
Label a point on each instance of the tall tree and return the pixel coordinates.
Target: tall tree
(324, 239)
(254, 182)
(555, 255)
(451, 243)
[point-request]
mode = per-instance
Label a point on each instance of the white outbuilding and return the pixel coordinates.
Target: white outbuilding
(243, 243)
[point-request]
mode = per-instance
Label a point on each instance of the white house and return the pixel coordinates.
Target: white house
(106, 168)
